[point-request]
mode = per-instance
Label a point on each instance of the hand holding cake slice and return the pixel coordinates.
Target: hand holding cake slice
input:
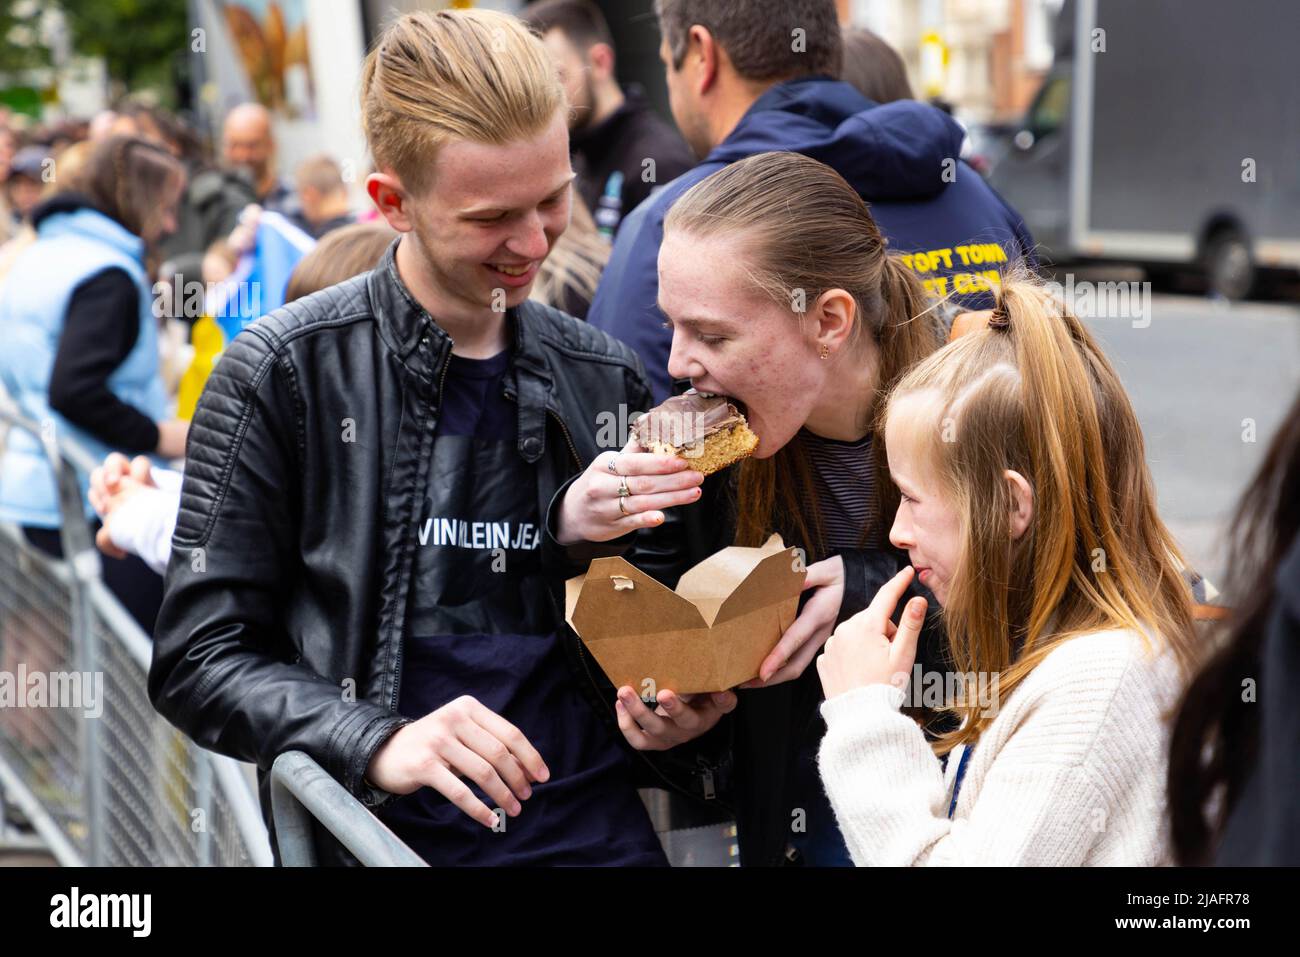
(708, 431)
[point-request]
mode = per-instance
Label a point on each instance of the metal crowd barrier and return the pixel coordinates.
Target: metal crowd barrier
(301, 790)
(120, 787)
(125, 787)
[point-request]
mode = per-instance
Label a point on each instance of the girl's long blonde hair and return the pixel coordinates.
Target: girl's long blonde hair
(1033, 392)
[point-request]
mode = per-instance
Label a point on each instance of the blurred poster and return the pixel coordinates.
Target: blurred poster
(262, 46)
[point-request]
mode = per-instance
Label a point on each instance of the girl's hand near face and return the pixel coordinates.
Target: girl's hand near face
(869, 649)
(805, 637)
(591, 509)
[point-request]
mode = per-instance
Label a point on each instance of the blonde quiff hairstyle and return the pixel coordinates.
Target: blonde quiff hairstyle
(1034, 393)
(434, 77)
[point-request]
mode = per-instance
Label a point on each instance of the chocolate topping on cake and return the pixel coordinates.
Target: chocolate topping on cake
(686, 419)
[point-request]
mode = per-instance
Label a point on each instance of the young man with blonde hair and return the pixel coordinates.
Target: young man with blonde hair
(361, 568)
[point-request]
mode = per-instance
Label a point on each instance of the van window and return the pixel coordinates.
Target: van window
(1050, 106)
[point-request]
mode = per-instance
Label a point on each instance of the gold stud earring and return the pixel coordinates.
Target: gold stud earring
(826, 350)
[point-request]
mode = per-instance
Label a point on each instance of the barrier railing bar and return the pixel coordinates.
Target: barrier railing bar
(91, 599)
(56, 842)
(300, 790)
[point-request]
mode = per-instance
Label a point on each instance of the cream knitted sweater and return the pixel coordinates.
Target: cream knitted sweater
(1070, 771)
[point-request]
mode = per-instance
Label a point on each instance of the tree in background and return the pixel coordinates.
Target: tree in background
(20, 48)
(144, 43)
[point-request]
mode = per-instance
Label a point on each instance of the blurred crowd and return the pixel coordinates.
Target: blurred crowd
(39, 162)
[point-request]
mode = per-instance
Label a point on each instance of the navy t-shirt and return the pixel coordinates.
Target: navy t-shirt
(482, 623)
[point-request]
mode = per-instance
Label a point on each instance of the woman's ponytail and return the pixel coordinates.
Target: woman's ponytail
(911, 329)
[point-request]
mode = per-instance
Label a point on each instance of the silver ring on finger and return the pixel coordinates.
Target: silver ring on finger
(613, 470)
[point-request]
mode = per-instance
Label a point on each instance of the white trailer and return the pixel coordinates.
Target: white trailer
(1167, 134)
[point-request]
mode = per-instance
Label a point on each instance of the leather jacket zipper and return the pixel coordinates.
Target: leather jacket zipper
(568, 438)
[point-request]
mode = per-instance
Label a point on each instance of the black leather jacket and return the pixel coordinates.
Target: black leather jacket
(307, 461)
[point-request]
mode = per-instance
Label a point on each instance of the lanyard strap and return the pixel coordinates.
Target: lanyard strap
(961, 773)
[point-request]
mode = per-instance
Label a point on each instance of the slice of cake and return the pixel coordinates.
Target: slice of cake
(705, 430)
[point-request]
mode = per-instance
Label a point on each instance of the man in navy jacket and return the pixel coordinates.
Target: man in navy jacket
(747, 81)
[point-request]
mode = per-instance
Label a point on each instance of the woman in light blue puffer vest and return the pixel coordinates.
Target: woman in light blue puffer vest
(79, 340)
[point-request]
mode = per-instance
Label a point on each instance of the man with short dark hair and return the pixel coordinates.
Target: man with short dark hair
(621, 148)
(747, 78)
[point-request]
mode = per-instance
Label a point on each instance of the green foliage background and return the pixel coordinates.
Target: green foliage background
(142, 42)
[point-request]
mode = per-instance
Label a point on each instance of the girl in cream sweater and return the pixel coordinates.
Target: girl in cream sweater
(1028, 511)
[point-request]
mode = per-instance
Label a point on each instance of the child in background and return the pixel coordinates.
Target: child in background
(326, 205)
(1028, 511)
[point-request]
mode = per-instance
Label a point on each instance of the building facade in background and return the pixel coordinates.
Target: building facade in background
(985, 57)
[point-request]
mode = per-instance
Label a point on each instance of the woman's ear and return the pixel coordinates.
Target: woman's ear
(965, 322)
(835, 312)
(1022, 499)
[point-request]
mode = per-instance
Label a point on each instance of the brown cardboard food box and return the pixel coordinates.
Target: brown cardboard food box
(710, 634)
